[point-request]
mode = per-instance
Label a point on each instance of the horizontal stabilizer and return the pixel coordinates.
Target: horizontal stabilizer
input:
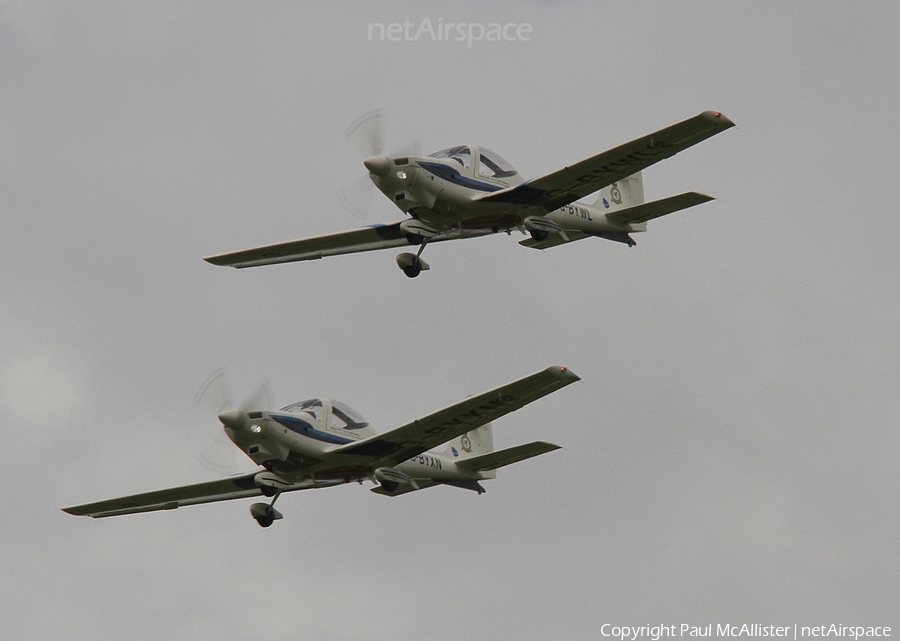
(654, 209)
(502, 458)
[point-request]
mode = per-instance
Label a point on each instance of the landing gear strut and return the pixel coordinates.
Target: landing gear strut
(265, 513)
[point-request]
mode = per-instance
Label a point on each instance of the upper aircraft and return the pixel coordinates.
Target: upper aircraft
(321, 442)
(468, 191)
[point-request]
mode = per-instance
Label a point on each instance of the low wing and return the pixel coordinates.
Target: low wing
(345, 242)
(502, 458)
(402, 443)
(237, 487)
(567, 185)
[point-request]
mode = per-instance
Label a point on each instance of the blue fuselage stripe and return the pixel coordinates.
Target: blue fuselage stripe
(300, 426)
(451, 175)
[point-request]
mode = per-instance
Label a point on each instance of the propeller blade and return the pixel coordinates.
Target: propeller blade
(412, 148)
(356, 196)
(220, 456)
(260, 399)
(214, 396)
(367, 133)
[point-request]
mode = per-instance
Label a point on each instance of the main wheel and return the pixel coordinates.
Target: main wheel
(413, 270)
(539, 235)
(264, 514)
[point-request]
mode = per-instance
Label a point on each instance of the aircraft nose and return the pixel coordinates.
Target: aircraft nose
(378, 165)
(232, 418)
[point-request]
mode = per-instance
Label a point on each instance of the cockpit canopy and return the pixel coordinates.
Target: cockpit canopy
(342, 416)
(461, 154)
(490, 163)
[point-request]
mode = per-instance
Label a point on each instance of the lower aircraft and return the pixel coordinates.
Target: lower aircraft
(322, 442)
(468, 191)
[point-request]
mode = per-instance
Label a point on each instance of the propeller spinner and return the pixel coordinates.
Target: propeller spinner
(366, 134)
(215, 397)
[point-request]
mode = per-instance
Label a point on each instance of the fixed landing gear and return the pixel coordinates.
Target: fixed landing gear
(411, 264)
(265, 513)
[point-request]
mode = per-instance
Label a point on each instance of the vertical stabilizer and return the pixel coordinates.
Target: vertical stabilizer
(475, 443)
(478, 441)
(620, 195)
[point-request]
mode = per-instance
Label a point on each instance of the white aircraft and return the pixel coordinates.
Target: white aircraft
(321, 443)
(469, 191)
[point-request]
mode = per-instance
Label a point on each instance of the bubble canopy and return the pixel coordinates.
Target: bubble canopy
(342, 415)
(490, 163)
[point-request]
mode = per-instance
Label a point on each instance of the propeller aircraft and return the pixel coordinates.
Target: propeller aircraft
(468, 191)
(322, 443)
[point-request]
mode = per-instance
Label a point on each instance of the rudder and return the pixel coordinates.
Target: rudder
(472, 443)
(622, 194)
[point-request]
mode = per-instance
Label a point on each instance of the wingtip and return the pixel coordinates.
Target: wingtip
(563, 372)
(218, 261)
(719, 118)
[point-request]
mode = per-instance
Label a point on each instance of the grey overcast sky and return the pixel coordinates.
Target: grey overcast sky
(730, 455)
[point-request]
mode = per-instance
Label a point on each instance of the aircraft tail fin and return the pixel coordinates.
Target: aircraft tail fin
(620, 195)
(474, 443)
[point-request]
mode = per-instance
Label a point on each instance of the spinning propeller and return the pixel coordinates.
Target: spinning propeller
(215, 397)
(366, 134)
